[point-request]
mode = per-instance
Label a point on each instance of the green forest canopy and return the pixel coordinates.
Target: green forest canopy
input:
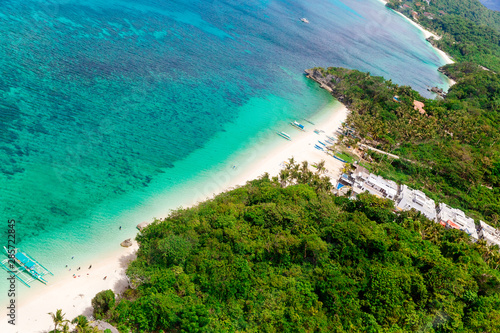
(471, 10)
(269, 258)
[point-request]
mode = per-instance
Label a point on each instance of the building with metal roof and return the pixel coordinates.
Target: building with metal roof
(409, 198)
(376, 185)
(489, 234)
(455, 218)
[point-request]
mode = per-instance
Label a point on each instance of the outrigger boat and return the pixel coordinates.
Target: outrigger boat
(298, 126)
(303, 19)
(284, 135)
(27, 269)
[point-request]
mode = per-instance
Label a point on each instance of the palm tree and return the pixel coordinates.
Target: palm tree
(284, 177)
(57, 318)
(320, 168)
(65, 328)
(82, 324)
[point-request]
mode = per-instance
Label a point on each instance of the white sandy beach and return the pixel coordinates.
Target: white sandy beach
(74, 294)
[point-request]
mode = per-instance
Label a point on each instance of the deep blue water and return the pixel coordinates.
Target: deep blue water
(104, 102)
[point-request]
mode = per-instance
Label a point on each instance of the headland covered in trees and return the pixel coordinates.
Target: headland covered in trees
(285, 254)
(448, 148)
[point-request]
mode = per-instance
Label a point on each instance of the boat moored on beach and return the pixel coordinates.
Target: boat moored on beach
(27, 269)
(284, 136)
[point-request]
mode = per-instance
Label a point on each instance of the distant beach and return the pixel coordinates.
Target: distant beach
(447, 59)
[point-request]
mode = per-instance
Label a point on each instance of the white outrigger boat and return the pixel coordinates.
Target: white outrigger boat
(303, 19)
(298, 125)
(284, 135)
(27, 269)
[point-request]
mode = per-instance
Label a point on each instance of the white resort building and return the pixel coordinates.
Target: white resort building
(489, 234)
(409, 198)
(455, 218)
(376, 185)
(406, 198)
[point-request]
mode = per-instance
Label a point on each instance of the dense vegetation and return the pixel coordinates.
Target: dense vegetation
(467, 41)
(456, 147)
(278, 256)
(471, 10)
(470, 32)
(452, 151)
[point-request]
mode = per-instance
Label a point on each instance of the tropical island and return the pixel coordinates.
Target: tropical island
(286, 253)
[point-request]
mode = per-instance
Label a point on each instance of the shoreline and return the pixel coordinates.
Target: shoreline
(74, 294)
(447, 59)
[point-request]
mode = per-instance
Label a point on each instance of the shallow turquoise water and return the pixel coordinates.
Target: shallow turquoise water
(108, 108)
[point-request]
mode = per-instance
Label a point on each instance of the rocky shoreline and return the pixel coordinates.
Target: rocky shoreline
(328, 83)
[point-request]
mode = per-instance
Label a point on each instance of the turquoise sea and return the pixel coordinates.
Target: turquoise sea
(113, 112)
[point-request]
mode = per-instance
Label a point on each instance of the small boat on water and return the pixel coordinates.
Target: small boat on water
(27, 269)
(303, 19)
(284, 135)
(298, 126)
